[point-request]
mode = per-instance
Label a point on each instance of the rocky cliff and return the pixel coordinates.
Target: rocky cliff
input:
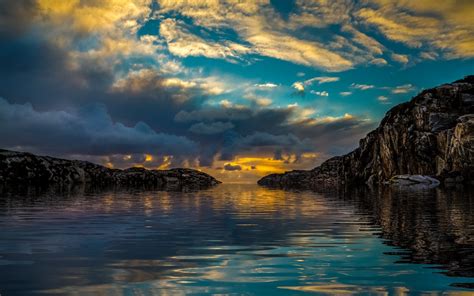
(26, 168)
(431, 135)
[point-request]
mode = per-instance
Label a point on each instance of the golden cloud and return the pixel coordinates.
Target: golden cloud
(256, 23)
(445, 27)
(91, 16)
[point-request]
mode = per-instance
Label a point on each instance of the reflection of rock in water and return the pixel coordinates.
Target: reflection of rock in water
(436, 225)
(73, 190)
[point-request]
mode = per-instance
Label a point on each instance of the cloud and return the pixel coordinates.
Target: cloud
(444, 28)
(429, 55)
(378, 62)
(333, 135)
(263, 142)
(329, 119)
(151, 80)
(77, 75)
(401, 58)
(321, 80)
(103, 32)
(226, 103)
(362, 86)
(263, 102)
(320, 93)
(257, 24)
(266, 85)
(90, 130)
(210, 114)
(181, 42)
(231, 167)
(15, 16)
(211, 128)
(258, 100)
(368, 43)
(96, 52)
(91, 16)
(419, 24)
(403, 89)
(299, 86)
(288, 48)
(383, 100)
(261, 131)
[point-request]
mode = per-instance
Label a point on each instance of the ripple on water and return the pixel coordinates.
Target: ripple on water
(237, 239)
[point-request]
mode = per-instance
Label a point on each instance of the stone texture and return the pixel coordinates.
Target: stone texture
(414, 181)
(26, 168)
(431, 135)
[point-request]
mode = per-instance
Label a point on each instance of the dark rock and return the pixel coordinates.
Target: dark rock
(414, 181)
(26, 168)
(431, 135)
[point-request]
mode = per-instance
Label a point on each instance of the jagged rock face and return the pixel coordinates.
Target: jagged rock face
(26, 168)
(433, 135)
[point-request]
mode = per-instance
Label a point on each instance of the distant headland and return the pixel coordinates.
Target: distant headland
(29, 169)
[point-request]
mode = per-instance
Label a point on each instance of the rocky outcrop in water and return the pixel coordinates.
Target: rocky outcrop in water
(26, 168)
(431, 135)
(414, 181)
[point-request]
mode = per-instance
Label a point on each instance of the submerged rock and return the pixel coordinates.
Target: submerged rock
(26, 168)
(431, 135)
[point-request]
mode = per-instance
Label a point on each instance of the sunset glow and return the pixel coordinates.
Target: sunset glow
(238, 89)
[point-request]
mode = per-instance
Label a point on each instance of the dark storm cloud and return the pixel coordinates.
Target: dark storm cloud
(263, 142)
(278, 155)
(210, 128)
(35, 70)
(246, 120)
(271, 131)
(253, 130)
(15, 16)
(333, 137)
(153, 103)
(88, 131)
(214, 113)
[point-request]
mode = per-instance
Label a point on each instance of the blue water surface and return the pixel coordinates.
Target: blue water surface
(236, 240)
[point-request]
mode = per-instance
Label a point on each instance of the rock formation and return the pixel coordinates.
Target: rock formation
(431, 135)
(26, 168)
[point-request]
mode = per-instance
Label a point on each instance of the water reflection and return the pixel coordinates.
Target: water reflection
(235, 239)
(436, 225)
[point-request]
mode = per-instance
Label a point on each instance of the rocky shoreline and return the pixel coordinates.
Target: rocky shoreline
(431, 135)
(29, 169)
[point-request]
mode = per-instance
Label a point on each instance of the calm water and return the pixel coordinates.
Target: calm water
(236, 239)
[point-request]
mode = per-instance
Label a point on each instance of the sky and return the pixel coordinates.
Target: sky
(237, 89)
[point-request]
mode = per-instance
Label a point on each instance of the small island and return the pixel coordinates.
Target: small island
(29, 169)
(429, 140)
